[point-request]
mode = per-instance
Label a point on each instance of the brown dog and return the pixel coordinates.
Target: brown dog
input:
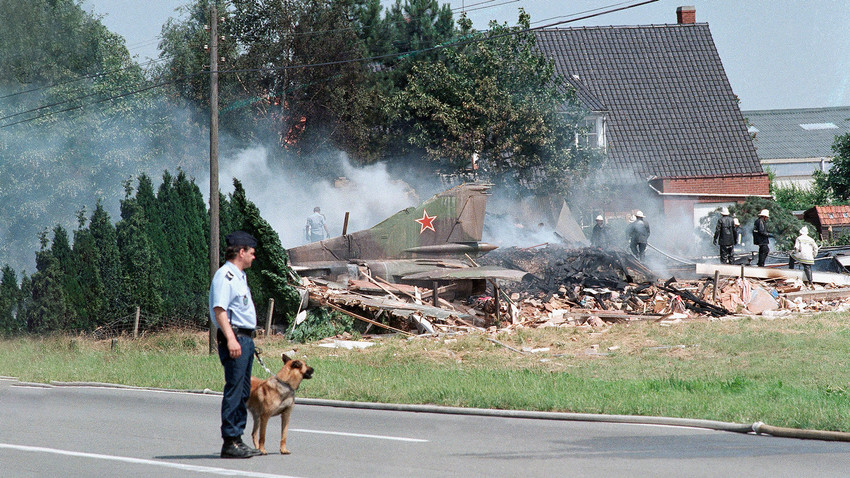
(276, 396)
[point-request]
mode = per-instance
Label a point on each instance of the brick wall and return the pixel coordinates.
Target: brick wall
(743, 185)
(686, 15)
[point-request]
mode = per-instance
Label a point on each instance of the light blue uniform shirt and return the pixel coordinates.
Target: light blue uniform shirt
(316, 222)
(229, 290)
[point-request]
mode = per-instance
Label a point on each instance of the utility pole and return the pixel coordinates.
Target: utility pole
(214, 206)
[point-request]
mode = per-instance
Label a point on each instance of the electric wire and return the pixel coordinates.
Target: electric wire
(86, 77)
(392, 23)
(479, 37)
(103, 100)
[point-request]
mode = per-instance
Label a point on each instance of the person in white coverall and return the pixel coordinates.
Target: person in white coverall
(805, 250)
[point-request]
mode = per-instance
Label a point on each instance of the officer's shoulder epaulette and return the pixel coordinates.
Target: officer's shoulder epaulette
(229, 275)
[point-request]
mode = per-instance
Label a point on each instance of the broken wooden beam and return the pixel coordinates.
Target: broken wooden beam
(360, 317)
(772, 273)
(818, 294)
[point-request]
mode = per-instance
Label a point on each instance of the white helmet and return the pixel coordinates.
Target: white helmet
(724, 211)
(639, 214)
(765, 213)
(600, 218)
(804, 231)
(735, 221)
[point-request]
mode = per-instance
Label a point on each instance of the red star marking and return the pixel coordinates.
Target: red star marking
(427, 222)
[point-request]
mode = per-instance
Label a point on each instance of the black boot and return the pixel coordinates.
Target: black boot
(234, 448)
(252, 450)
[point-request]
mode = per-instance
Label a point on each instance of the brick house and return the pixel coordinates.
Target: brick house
(662, 108)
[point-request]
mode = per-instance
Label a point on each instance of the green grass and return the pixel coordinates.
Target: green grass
(790, 372)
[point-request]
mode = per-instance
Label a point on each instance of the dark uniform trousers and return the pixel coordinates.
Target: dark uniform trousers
(237, 386)
(726, 254)
(764, 249)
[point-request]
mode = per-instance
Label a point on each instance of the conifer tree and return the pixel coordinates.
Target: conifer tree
(90, 303)
(72, 291)
(185, 228)
(25, 300)
(108, 261)
(270, 275)
(140, 262)
(9, 298)
(47, 311)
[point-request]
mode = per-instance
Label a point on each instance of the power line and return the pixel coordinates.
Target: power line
(74, 80)
(442, 46)
(150, 62)
(582, 12)
(446, 45)
(390, 23)
(122, 95)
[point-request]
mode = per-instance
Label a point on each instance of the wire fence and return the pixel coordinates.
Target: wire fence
(142, 323)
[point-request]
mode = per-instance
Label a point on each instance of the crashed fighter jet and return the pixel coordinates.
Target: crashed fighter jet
(437, 234)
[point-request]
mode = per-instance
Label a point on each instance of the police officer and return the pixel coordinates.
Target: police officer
(316, 228)
(232, 312)
(724, 234)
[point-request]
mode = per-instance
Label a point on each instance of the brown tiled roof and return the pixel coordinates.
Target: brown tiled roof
(833, 215)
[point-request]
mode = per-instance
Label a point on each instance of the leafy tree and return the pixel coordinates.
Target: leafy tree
(56, 53)
(500, 100)
(795, 198)
(837, 180)
(10, 295)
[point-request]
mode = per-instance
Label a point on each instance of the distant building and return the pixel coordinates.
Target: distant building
(829, 221)
(794, 143)
(662, 108)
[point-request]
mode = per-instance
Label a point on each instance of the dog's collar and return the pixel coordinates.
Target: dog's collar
(285, 384)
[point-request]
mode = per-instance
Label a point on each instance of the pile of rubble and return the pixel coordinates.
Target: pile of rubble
(575, 287)
(554, 268)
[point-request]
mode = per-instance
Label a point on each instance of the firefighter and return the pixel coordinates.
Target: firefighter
(805, 250)
(724, 236)
(638, 235)
(761, 237)
(599, 236)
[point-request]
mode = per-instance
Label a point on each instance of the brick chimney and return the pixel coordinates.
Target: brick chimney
(686, 15)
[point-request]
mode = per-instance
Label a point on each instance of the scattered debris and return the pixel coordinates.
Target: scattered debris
(581, 288)
(346, 344)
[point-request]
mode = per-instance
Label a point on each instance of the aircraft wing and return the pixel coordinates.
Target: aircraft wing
(482, 272)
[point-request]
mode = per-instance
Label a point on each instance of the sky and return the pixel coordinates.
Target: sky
(777, 53)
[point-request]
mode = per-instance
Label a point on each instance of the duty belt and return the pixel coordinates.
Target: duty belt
(237, 331)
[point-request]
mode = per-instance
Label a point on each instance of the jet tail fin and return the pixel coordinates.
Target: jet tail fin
(455, 216)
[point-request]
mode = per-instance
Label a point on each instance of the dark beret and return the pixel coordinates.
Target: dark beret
(240, 238)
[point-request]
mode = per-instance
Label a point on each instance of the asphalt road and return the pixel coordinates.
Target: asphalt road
(85, 431)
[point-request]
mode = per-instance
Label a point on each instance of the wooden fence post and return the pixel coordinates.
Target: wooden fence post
(714, 291)
(269, 317)
(136, 322)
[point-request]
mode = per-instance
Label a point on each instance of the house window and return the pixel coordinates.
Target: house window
(591, 134)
